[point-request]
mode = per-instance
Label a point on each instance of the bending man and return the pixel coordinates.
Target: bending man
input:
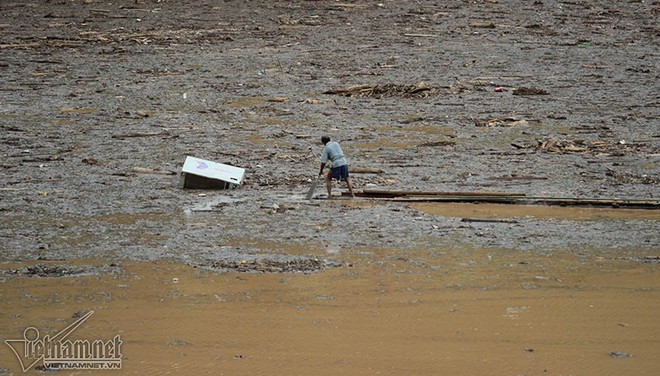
(334, 156)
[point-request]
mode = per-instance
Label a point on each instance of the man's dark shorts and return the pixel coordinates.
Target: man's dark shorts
(339, 173)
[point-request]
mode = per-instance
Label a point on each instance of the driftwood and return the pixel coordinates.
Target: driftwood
(141, 134)
(522, 177)
(505, 122)
(529, 91)
(383, 193)
(482, 24)
(146, 170)
(19, 45)
(413, 35)
(438, 143)
(365, 170)
(421, 89)
(489, 220)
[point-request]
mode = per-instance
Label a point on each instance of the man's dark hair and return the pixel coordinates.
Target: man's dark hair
(325, 139)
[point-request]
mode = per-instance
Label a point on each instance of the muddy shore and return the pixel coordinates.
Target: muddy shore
(102, 102)
(243, 85)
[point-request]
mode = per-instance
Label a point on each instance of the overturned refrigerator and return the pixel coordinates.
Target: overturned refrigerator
(202, 174)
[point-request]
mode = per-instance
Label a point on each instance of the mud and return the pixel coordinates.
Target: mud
(102, 101)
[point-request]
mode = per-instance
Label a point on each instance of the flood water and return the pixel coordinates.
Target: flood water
(470, 311)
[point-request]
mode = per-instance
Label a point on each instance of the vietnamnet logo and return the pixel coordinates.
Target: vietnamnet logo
(57, 352)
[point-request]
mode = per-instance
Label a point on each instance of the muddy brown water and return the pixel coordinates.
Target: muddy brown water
(474, 312)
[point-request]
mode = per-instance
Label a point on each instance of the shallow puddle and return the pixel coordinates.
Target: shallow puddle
(502, 211)
(472, 312)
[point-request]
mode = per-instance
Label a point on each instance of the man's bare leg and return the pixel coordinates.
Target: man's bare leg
(350, 186)
(328, 185)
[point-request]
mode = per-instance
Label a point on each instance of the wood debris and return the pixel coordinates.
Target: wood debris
(482, 24)
(505, 122)
(507, 198)
(529, 91)
(366, 170)
(556, 145)
(146, 170)
(489, 220)
(419, 90)
(438, 143)
(141, 134)
(19, 45)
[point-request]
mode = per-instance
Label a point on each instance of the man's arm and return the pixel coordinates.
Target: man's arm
(324, 159)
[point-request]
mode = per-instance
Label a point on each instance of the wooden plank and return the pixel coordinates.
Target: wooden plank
(651, 204)
(489, 220)
(365, 170)
(377, 192)
(19, 45)
(141, 134)
(505, 198)
(497, 200)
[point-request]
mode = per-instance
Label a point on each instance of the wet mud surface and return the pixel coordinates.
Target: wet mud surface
(102, 102)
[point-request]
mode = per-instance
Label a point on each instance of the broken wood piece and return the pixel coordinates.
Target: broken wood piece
(348, 5)
(558, 146)
(482, 24)
(489, 220)
(384, 193)
(574, 148)
(522, 177)
(505, 122)
(519, 146)
(451, 199)
(81, 110)
(19, 45)
(421, 35)
(141, 134)
(421, 89)
(146, 170)
(506, 198)
(439, 143)
(352, 90)
(529, 91)
(366, 170)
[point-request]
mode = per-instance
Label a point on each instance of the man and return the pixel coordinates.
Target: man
(334, 156)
